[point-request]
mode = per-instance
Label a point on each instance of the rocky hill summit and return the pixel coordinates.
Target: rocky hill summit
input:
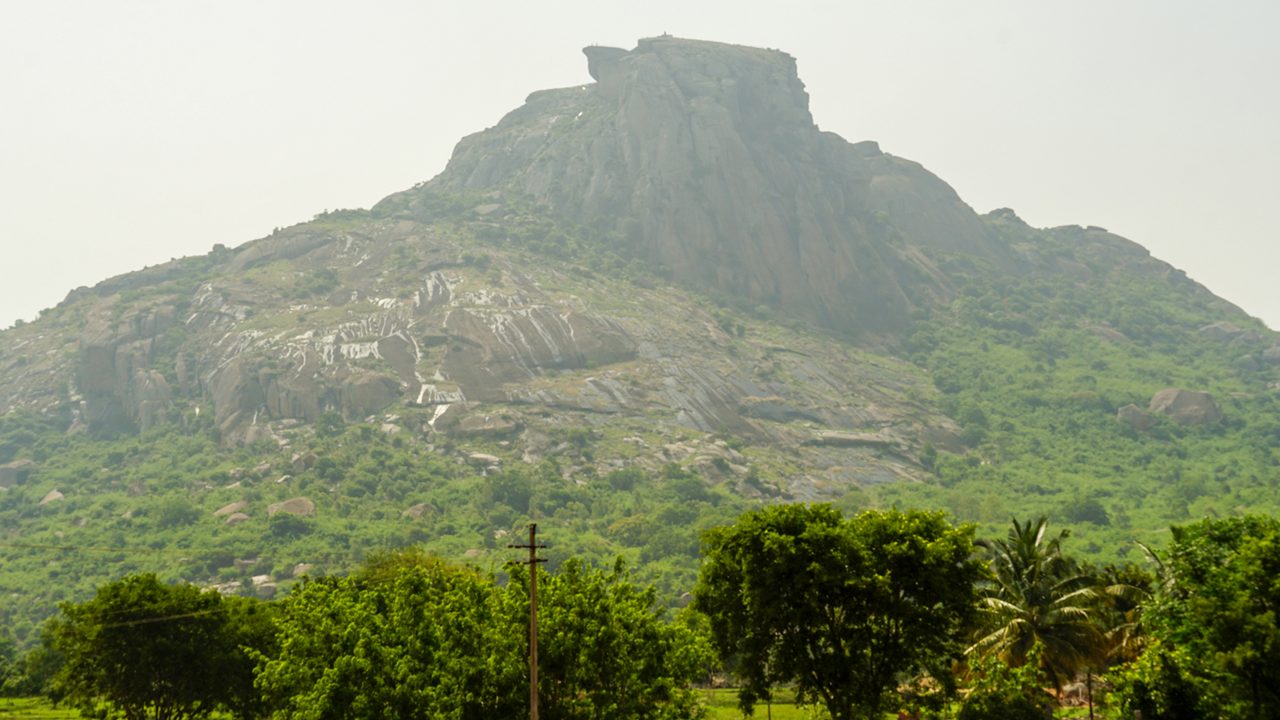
(702, 159)
(676, 246)
(631, 309)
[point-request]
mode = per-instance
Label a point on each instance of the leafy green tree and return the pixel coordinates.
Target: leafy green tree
(1125, 590)
(606, 649)
(8, 664)
(251, 633)
(32, 672)
(999, 692)
(1162, 685)
(409, 636)
(1218, 606)
(148, 650)
(843, 608)
(1037, 597)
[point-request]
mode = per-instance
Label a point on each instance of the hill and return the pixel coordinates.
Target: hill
(630, 310)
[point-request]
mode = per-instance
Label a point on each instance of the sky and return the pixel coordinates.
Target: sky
(133, 132)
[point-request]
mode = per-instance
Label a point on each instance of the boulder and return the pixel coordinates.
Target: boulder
(231, 509)
(1109, 333)
(300, 506)
(497, 425)
(366, 393)
(302, 462)
(483, 459)
(228, 588)
(1221, 331)
(52, 497)
(1135, 417)
(1247, 338)
(416, 511)
(1186, 407)
(236, 518)
(16, 472)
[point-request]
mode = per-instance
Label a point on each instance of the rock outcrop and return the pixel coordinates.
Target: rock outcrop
(300, 506)
(655, 249)
(703, 159)
(16, 472)
(1135, 417)
(1186, 407)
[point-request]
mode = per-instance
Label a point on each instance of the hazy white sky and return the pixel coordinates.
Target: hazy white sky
(132, 131)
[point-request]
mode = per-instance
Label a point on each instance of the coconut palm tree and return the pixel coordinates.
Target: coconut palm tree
(1035, 596)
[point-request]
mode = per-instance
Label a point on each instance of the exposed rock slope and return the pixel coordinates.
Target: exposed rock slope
(489, 304)
(703, 159)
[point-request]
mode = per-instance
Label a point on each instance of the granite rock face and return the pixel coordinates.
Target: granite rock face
(1186, 407)
(703, 158)
(669, 256)
(300, 506)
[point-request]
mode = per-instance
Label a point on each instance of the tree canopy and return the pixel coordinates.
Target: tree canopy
(1216, 641)
(1037, 597)
(606, 649)
(153, 651)
(410, 636)
(842, 607)
(407, 637)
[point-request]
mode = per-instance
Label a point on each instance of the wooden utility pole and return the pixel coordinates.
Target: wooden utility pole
(532, 562)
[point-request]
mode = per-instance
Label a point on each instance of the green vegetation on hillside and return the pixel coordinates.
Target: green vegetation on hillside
(882, 612)
(147, 504)
(1034, 369)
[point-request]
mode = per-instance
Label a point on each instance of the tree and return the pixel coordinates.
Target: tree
(1037, 597)
(8, 664)
(1218, 608)
(32, 672)
(149, 650)
(408, 636)
(606, 649)
(843, 608)
(999, 692)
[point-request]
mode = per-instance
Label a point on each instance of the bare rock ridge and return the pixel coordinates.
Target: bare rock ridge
(703, 159)
(427, 318)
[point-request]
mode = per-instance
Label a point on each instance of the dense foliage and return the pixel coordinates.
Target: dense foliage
(147, 504)
(410, 636)
(1039, 600)
(861, 614)
(1032, 367)
(842, 608)
(1216, 643)
(406, 637)
(150, 650)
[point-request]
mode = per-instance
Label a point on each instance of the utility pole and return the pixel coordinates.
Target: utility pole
(532, 562)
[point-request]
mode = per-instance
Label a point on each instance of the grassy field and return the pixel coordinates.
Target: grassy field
(28, 708)
(723, 705)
